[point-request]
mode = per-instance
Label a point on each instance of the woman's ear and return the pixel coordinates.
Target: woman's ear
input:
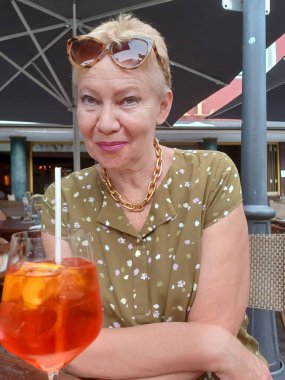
(165, 107)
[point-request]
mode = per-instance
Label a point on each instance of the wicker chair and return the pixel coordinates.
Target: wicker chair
(267, 272)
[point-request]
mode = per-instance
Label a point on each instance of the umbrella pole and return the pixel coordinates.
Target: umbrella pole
(254, 163)
(76, 136)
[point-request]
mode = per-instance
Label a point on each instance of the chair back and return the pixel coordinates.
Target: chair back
(267, 271)
(37, 201)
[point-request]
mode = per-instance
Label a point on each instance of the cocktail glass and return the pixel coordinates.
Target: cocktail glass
(50, 310)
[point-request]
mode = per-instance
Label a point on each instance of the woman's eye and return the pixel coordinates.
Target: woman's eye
(130, 100)
(88, 99)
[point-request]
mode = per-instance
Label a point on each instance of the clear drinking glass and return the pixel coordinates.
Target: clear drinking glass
(50, 311)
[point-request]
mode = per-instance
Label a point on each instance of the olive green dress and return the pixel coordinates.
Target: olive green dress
(152, 275)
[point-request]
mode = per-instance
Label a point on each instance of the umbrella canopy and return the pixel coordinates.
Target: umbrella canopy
(275, 91)
(204, 41)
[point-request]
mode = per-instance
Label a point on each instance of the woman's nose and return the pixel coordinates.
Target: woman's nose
(107, 121)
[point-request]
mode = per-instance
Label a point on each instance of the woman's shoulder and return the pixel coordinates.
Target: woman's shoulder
(75, 181)
(85, 175)
(202, 157)
(80, 180)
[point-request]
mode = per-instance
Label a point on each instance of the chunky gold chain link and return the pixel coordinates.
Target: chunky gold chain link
(151, 186)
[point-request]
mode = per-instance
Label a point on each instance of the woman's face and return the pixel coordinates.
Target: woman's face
(117, 113)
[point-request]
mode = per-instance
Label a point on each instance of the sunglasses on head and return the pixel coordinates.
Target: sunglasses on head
(86, 51)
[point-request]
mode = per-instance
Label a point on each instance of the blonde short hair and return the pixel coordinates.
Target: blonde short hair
(126, 26)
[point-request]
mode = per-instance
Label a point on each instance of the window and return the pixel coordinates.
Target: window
(273, 170)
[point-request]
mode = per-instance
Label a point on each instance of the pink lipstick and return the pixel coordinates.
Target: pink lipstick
(111, 146)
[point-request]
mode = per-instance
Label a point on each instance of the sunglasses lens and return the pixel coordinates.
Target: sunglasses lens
(130, 54)
(84, 52)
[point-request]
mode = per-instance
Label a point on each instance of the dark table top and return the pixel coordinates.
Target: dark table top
(12, 368)
(11, 226)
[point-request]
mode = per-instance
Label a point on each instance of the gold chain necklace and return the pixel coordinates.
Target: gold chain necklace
(150, 189)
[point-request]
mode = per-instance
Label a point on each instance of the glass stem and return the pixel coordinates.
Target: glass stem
(53, 375)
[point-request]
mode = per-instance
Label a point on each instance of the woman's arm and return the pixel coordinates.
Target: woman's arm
(222, 293)
(149, 351)
(172, 376)
(161, 349)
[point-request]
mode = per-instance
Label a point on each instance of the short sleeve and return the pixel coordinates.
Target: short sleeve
(223, 189)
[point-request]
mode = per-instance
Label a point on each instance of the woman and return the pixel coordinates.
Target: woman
(161, 221)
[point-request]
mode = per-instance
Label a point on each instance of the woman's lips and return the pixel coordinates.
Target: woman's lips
(111, 146)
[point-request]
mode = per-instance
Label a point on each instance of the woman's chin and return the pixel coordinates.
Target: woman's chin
(111, 164)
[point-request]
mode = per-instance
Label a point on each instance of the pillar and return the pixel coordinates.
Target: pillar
(254, 163)
(18, 166)
(210, 143)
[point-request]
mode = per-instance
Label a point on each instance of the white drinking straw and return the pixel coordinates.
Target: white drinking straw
(57, 255)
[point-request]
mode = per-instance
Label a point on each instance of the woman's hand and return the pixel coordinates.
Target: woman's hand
(237, 363)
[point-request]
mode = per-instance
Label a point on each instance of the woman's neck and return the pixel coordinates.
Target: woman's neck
(132, 184)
